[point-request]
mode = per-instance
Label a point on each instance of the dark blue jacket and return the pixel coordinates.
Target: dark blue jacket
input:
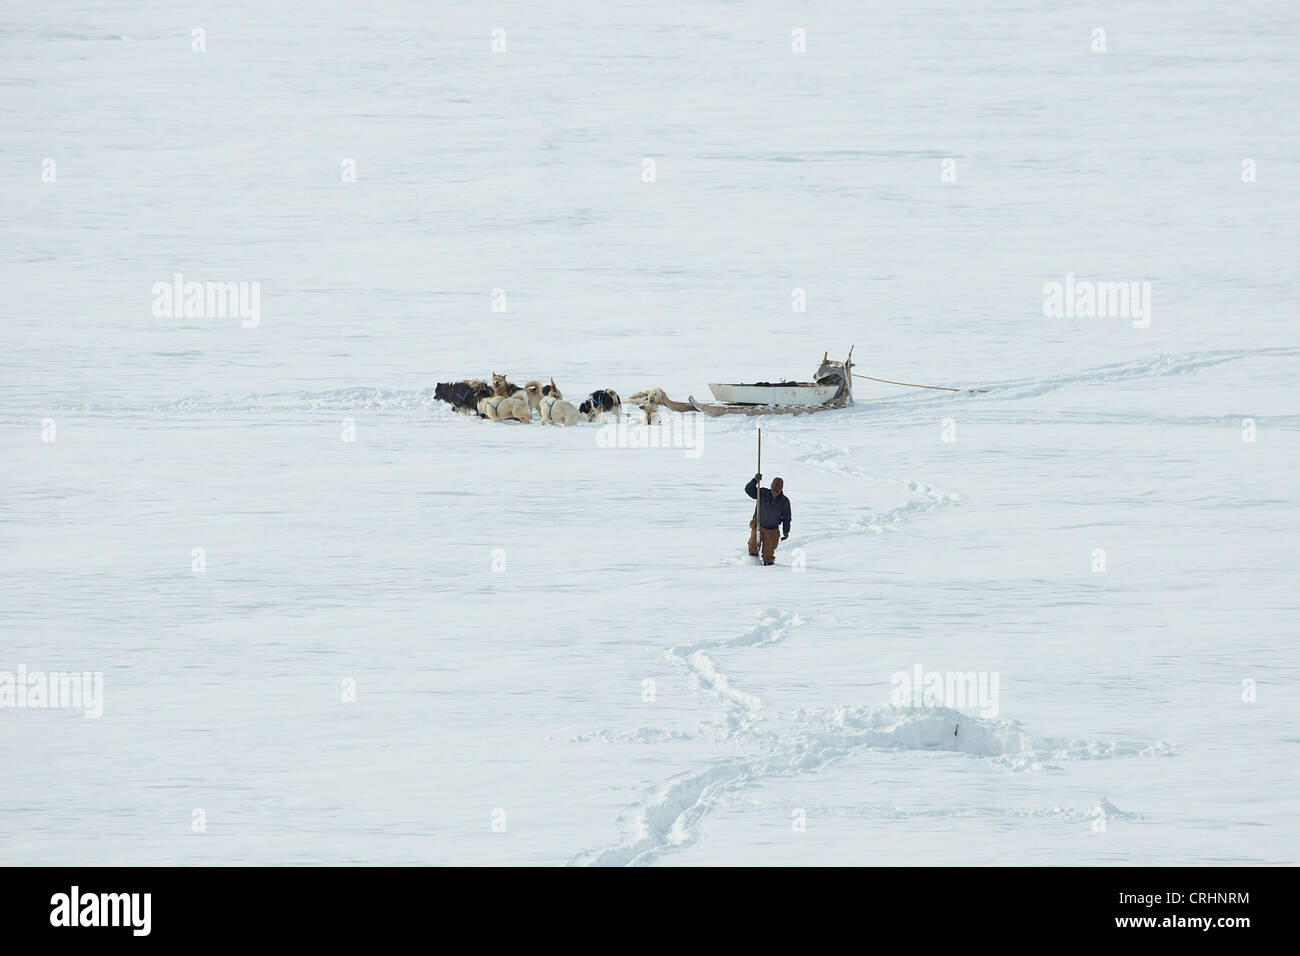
(776, 511)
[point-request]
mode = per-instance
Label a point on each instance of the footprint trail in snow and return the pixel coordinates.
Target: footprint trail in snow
(669, 818)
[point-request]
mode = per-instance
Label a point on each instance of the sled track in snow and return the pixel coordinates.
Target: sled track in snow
(744, 709)
(669, 819)
(1103, 809)
(829, 457)
(1155, 366)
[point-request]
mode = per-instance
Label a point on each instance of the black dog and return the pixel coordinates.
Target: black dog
(463, 396)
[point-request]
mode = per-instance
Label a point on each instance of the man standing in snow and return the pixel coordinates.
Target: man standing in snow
(774, 510)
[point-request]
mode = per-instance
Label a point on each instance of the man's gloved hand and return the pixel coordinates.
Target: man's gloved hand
(759, 476)
(784, 536)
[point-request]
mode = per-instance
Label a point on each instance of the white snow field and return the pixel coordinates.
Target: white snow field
(449, 641)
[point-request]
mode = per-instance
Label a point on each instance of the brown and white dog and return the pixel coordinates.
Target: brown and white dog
(554, 409)
(599, 404)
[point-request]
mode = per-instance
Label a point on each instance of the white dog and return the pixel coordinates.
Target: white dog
(555, 410)
(500, 408)
(507, 399)
(648, 401)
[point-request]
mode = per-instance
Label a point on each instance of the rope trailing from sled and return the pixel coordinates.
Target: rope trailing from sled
(941, 388)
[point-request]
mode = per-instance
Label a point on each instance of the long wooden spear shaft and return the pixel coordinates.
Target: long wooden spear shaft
(758, 501)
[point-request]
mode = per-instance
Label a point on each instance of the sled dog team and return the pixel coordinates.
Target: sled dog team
(504, 401)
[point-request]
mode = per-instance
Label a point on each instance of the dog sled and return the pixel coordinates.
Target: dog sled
(832, 387)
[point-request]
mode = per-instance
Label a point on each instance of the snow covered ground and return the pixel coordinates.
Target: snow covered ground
(558, 651)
